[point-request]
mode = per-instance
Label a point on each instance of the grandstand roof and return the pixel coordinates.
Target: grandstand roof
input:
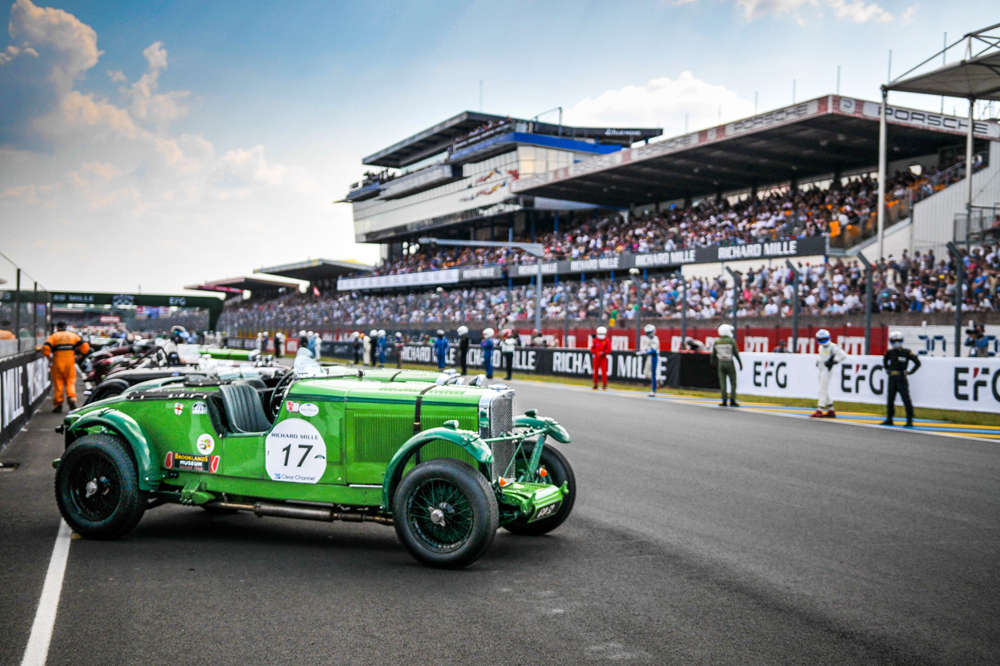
(316, 269)
(976, 76)
(438, 138)
(236, 285)
(808, 140)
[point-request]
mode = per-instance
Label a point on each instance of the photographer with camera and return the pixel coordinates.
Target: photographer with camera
(976, 340)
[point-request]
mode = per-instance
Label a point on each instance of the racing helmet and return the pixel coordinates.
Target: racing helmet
(602, 332)
(440, 333)
(381, 332)
(822, 336)
(372, 333)
(302, 333)
(649, 329)
(726, 331)
(896, 339)
(488, 333)
(463, 330)
(399, 336)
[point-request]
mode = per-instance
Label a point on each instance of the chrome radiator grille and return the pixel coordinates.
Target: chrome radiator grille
(501, 413)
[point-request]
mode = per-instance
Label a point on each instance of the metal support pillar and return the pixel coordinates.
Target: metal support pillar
(795, 305)
(684, 310)
(869, 274)
(882, 140)
(17, 310)
(959, 280)
(968, 164)
(34, 312)
(736, 302)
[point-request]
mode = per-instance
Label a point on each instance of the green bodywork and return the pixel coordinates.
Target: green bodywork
(371, 374)
(373, 433)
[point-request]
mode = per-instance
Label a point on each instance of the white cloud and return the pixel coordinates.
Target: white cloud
(161, 109)
(663, 103)
(753, 9)
(858, 11)
(907, 16)
(73, 43)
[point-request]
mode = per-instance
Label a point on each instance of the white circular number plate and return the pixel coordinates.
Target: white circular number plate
(294, 451)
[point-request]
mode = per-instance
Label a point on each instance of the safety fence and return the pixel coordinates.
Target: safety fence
(964, 384)
(25, 310)
(24, 381)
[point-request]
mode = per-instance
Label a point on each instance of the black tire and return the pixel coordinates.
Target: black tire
(107, 389)
(467, 509)
(559, 472)
(115, 504)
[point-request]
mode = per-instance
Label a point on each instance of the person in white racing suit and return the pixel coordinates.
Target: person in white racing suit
(305, 363)
(830, 354)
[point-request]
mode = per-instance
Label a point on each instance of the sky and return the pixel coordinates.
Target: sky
(155, 145)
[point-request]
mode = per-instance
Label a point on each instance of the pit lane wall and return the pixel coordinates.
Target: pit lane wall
(24, 381)
(963, 384)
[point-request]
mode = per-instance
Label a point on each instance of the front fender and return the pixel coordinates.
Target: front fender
(123, 424)
(467, 439)
(550, 426)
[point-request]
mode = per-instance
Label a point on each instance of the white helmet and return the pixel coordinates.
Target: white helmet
(302, 333)
(488, 333)
(265, 334)
(649, 329)
(822, 336)
(602, 332)
(463, 330)
(372, 333)
(381, 332)
(896, 339)
(726, 331)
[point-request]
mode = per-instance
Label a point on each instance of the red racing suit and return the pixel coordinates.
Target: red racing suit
(600, 349)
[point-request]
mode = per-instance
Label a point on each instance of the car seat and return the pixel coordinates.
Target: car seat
(244, 409)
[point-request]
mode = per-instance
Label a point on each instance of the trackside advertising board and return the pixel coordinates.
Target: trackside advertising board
(965, 384)
(24, 381)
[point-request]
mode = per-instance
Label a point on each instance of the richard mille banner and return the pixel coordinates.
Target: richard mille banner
(24, 380)
(967, 384)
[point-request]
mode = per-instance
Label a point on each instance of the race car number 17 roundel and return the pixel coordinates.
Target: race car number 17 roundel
(294, 451)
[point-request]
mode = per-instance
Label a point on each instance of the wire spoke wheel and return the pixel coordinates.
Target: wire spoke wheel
(95, 486)
(441, 514)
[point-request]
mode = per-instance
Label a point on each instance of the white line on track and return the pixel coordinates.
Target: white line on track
(37, 651)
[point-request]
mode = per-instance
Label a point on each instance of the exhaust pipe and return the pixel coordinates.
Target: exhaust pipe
(261, 509)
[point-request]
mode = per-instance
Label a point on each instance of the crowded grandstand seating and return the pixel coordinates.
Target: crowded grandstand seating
(921, 283)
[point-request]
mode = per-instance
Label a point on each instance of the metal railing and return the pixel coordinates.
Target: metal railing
(899, 207)
(980, 225)
(25, 312)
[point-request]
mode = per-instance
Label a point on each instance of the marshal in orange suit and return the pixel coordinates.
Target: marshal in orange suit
(63, 346)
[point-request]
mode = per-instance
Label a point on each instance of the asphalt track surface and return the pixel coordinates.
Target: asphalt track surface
(700, 536)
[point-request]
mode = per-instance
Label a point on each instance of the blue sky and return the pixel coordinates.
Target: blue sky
(190, 141)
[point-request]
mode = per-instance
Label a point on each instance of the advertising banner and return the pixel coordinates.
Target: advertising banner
(24, 381)
(966, 384)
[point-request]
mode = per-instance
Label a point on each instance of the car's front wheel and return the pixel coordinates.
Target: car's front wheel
(97, 488)
(557, 472)
(445, 513)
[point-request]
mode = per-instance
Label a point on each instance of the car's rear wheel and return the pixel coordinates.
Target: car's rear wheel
(557, 472)
(107, 389)
(97, 488)
(445, 513)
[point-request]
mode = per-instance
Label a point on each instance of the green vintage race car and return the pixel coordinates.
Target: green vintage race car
(446, 465)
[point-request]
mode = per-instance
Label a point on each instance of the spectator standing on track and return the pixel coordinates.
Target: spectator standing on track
(63, 346)
(829, 355)
(600, 349)
(441, 349)
(895, 362)
(487, 346)
(382, 344)
(463, 348)
(725, 356)
(357, 347)
(507, 348)
(397, 349)
(279, 344)
(649, 346)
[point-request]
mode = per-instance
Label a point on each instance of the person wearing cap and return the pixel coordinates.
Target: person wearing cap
(463, 349)
(830, 354)
(357, 347)
(896, 361)
(507, 347)
(649, 346)
(600, 349)
(487, 347)
(725, 356)
(62, 347)
(441, 349)
(397, 349)
(382, 343)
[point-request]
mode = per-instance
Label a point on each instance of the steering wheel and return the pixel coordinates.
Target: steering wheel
(280, 390)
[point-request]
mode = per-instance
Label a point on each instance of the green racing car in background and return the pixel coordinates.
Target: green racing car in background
(446, 465)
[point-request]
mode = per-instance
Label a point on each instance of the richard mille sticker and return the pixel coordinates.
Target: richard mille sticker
(308, 409)
(294, 451)
(178, 408)
(206, 444)
(199, 408)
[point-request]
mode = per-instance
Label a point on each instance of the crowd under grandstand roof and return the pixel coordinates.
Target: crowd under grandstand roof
(235, 286)
(829, 135)
(437, 139)
(316, 270)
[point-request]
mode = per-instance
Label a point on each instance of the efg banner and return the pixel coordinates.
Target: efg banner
(965, 384)
(24, 381)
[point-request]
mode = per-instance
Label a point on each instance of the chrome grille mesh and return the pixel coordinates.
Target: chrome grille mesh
(502, 423)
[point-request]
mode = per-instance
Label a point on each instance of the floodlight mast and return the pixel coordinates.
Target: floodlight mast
(534, 249)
